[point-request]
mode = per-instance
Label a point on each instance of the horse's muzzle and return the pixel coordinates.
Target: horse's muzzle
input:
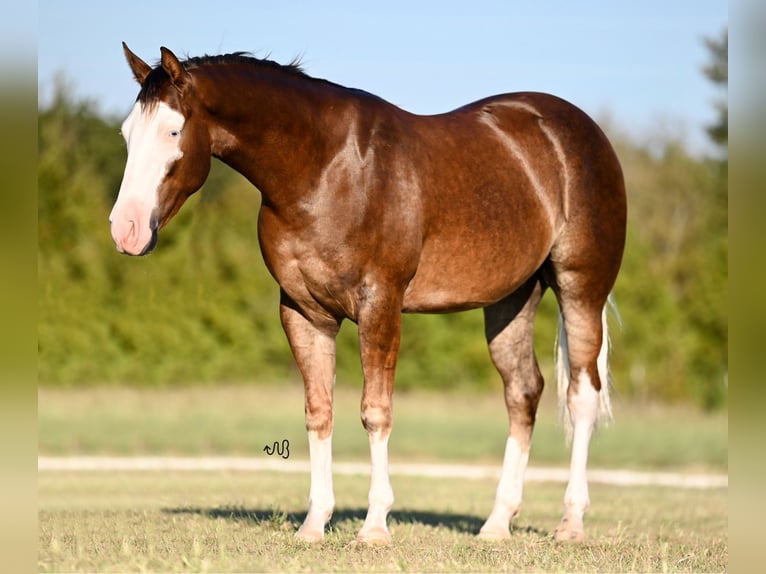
(152, 242)
(131, 238)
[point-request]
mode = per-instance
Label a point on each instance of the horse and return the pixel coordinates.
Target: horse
(369, 211)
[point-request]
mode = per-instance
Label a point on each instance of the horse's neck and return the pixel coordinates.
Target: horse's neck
(275, 135)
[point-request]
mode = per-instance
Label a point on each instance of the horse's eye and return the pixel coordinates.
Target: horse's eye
(175, 133)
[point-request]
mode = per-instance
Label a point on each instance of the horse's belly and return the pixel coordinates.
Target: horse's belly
(468, 279)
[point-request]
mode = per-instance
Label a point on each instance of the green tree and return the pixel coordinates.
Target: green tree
(79, 164)
(717, 71)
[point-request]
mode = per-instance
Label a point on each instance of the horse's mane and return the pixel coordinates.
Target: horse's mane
(293, 67)
(158, 77)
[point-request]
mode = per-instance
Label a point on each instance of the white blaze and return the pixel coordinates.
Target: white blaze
(153, 138)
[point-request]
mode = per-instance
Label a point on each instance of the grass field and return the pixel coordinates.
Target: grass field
(244, 521)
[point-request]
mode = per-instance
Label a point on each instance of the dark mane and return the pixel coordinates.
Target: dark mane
(152, 87)
(293, 67)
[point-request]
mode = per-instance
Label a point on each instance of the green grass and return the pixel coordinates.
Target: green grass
(244, 521)
(428, 427)
(119, 522)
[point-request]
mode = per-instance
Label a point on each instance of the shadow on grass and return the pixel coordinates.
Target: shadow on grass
(462, 523)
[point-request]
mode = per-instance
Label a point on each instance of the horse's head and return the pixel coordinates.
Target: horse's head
(168, 153)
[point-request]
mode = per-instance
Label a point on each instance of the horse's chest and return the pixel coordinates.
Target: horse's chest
(316, 276)
(329, 262)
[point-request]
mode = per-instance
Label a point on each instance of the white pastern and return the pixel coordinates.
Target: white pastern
(321, 497)
(509, 491)
(153, 138)
(583, 410)
(381, 496)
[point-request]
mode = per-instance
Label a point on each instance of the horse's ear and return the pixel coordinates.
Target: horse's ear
(140, 68)
(178, 74)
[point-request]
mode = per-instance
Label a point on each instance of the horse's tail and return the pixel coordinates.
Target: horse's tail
(563, 371)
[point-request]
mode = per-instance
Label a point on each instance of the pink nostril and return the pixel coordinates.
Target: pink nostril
(128, 237)
(130, 231)
(125, 234)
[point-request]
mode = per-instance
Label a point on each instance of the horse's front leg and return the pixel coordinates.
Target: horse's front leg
(314, 350)
(379, 336)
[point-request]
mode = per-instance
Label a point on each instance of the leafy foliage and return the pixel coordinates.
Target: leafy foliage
(717, 71)
(673, 283)
(203, 308)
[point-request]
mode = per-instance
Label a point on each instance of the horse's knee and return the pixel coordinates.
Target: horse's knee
(376, 418)
(319, 419)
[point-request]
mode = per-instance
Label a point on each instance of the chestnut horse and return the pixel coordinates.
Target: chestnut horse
(369, 211)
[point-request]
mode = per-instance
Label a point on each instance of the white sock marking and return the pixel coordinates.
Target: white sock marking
(381, 496)
(321, 497)
(510, 488)
(583, 408)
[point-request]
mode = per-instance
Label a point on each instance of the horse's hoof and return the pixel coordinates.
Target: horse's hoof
(493, 533)
(566, 533)
(374, 537)
(309, 535)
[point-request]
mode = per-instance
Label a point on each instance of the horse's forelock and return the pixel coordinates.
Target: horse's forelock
(152, 88)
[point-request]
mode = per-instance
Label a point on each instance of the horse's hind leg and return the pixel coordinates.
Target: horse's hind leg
(509, 325)
(583, 382)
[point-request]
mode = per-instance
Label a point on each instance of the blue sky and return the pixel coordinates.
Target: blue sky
(638, 62)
